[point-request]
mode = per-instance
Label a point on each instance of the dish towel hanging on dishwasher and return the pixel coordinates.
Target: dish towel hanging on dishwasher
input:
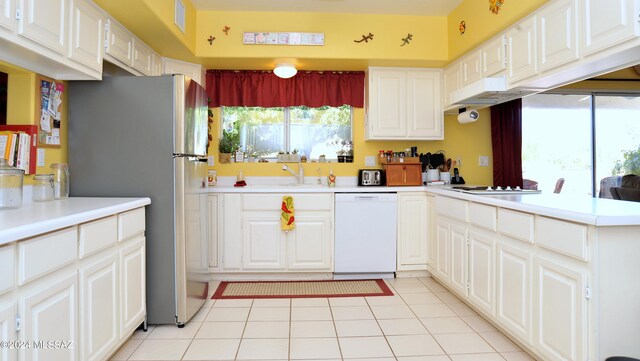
(287, 219)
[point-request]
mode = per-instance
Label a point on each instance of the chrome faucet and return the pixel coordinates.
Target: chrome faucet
(299, 176)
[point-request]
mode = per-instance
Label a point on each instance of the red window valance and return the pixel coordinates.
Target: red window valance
(264, 89)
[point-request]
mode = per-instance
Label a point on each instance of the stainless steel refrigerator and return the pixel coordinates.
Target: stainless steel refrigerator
(145, 137)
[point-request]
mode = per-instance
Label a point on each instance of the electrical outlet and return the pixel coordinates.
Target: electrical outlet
(483, 161)
(210, 161)
(458, 162)
(370, 161)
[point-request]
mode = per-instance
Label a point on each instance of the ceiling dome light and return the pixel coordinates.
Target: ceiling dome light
(285, 71)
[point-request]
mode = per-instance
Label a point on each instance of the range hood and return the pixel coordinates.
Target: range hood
(488, 91)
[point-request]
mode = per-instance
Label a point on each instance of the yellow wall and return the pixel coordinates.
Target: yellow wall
(466, 141)
(21, 109)
(482, 24)
(428, 47)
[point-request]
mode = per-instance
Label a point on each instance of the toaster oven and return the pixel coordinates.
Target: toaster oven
(371, 177)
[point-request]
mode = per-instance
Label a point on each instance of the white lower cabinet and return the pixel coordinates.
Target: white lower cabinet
(8, 313)
(481, 271)
(513, 277)
(252, 239)
(307, 245)
(263, 242)
(431, 233)
(49, 313)
(132, 285)
(458, 259)
(413, 228)
(442, 246)
(99, 308)
(560, 309)
(212, 229)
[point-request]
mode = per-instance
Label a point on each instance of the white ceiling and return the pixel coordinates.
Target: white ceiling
(400, 7)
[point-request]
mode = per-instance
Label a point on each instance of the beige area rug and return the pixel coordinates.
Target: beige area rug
(302, 289)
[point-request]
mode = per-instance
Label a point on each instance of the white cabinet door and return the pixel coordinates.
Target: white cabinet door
(471, 67)
(119, 43)
(44, 21)
(142, 57)
(8, 314)
(212, 229)
(231, 237)
(133, 306)
(513, 282)
(387, 104)
(522, 48)
(156, 64)
(458, 259)
(8, 14)
(431, 233)
(263, 242)
(493, 56)
(443, 246)
(412, 232)
(49, 313)
(606, 23)
(557, 34)
(452, 80)
(425, 119)
(560, 310)
(99, 308)
(481, 271)
(86, 29)
(309, 245)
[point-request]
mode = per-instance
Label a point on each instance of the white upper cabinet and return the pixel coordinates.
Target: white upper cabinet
(86, 33)
(493, 56)
(43, 21)
(404, 103)
(8, 14)
(521, 47)
(607, 22)
(452, 80)
(558, 34)
(142, 57)
(119, 43)
(471, 67)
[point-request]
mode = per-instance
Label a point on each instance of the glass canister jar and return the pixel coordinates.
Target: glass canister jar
(43, 187)
(60, 180)
(10, 185)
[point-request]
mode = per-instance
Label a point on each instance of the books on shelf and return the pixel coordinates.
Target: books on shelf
(18, 145)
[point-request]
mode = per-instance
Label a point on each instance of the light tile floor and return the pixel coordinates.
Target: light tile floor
(421, 322)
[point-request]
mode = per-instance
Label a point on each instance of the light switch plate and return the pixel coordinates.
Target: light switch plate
(210, 161)
(40, 157)
(483, 161)
(370, 161)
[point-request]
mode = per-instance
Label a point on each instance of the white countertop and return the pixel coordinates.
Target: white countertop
(581, 209)
(309, 188)
(34, 218)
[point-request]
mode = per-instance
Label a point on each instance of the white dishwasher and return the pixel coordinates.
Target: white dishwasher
(365, 235)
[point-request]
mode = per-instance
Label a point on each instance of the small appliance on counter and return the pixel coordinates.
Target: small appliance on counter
(371, 177)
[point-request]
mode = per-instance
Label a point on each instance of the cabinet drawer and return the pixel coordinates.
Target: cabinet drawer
(97, 235)
(301, 202)
(483, 216)
(130, 223)
(452, 208)
(7, 268)
(564, 237)
(41, 255)
(516, 224)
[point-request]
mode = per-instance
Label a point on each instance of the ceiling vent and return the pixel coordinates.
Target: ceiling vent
(179, 15)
